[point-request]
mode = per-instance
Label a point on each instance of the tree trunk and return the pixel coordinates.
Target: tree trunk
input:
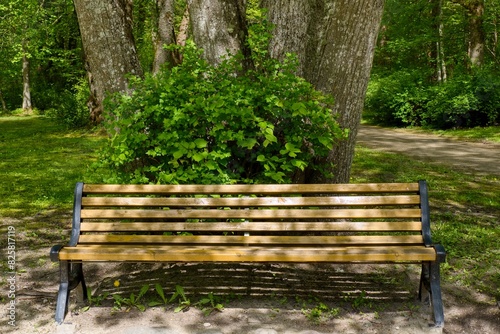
(477, 36)
(219, 28)
(183, 29)
(27, 105)
(164, 35)
(4, 104)
(335, 40)
(437, 53)
(109, 46)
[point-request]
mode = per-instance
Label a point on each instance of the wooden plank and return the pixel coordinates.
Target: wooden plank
(247, 254)
(253, 240)
(251, 226)
(251, 214)
(251, 202)
(250, 189)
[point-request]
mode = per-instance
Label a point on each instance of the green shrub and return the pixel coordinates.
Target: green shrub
(401, 99)
(71, 106)
(196, 123)
(398, 99)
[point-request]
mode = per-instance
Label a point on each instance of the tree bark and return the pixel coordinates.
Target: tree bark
(335, 41)
(219, 28)
(164, 35)
(437, 53)
(477, 37)
(27, 105)
(183, 29)
(4, 105)
(109, 46)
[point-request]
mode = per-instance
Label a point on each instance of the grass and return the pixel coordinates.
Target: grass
(464, 210)
(486, 134)
(40, 162)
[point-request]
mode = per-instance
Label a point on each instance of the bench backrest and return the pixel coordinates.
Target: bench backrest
(372, 214)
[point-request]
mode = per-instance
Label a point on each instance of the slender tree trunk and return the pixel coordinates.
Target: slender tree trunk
(335, 40)
(164, 35)
(109, 46)
(4, 105)
(27, 105)
(438, 53)
(183, 29)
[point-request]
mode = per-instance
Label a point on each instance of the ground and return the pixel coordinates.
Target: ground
(257, 298)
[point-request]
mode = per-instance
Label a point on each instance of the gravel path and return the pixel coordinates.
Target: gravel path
(478, 157)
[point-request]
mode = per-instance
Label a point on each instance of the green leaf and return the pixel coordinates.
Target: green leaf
(178, 154)
(143, 291)
(159, 290)
(200, 143)
(249, 143)
(199, 156)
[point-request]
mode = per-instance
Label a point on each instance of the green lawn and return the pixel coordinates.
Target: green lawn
(464, 210)
(40, 162)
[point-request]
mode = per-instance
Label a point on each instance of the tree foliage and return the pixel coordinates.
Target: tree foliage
(407, 89)
(46, 33)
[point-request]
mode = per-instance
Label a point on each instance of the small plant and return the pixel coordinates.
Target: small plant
(132, 301)
(320, 312)
(161, 294)
(94, 300)
(210, 304)
(184, 302)
(360, 300)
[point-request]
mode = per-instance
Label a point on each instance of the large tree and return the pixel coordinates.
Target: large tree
(333, 39)
(109, 46)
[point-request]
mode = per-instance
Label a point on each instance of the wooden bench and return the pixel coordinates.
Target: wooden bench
(297, 223)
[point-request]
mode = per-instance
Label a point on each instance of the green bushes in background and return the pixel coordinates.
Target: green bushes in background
(403, 99)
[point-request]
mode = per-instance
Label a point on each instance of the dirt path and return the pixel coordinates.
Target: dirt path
(478, 157)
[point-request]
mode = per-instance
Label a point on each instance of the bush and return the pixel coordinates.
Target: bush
(397, 100)
(464, 101)
(196, 123)
(71, 106)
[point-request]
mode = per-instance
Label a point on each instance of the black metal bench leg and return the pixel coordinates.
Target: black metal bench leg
(71, 277)
(63, 295)
(437, 301)
(430, 282)
(76, 277)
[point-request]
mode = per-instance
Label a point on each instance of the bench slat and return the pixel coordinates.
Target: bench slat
(251, 202)
(247, 254)
(250, 189)
(251, 214)
(252, 240)
(252, 226)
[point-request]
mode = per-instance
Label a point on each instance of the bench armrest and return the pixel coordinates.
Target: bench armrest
(54, 253)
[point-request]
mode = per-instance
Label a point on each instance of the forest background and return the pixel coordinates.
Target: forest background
(436, 62)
